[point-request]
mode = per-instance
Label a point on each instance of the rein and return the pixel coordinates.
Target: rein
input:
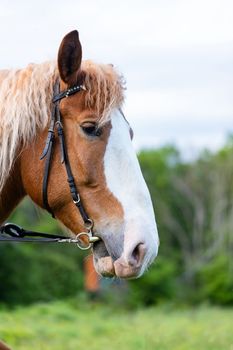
(84, 240)
(18, 234)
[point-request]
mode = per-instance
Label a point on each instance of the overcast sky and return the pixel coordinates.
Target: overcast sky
(176, 56)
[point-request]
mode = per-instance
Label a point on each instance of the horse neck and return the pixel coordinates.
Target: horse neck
(12, 192)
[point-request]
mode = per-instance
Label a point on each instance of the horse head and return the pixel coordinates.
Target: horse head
(103, 162)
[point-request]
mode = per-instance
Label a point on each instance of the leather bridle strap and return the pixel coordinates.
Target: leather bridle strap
(70, 179)
(47, 152)
(14, 233)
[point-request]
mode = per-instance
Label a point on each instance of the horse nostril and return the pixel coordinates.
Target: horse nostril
(137, 254)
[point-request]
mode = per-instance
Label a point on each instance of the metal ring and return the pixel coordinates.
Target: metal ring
(89, 224)
(82, 247)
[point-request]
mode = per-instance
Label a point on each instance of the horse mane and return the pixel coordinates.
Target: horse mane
(25, 103)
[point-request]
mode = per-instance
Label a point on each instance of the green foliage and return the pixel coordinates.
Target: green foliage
(33, 273)
(194, 210)
(157, 285)
(193, 202)
(216, 281)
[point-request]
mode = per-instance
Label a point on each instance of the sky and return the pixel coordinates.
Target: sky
(176, 57)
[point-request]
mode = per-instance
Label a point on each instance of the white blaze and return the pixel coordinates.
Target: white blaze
(124, 179)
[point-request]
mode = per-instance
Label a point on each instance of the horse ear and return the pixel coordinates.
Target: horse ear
(70, 57)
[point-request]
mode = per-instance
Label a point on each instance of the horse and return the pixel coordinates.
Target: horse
(98, 141)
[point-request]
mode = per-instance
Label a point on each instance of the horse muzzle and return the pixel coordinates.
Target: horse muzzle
(131, 264)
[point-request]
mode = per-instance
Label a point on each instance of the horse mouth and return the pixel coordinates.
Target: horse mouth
(108, 265)
(104, 263)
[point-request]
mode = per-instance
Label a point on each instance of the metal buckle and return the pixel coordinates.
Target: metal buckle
(78, 200)
(59, 123)
(89, 225)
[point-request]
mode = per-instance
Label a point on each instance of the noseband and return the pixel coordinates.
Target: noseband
(84, 240)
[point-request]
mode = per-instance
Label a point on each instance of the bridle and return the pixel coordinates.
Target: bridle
(84, 240)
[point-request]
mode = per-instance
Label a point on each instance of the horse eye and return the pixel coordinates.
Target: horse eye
(91, 130)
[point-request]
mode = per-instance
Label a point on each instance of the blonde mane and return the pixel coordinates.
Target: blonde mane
(25, 103)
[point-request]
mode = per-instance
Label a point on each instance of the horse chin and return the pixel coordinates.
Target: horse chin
(103, 262)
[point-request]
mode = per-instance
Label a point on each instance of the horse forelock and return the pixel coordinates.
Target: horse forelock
(25, 103)
(104, 89)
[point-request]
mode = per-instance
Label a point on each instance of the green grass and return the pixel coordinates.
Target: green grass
(77, 325)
